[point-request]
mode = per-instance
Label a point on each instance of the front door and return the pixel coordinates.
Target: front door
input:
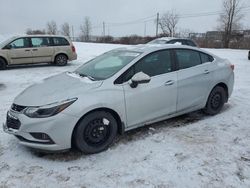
(157, 98)
(20, 51)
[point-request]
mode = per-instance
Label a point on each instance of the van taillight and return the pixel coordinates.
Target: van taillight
(232, 66)
(73, 49)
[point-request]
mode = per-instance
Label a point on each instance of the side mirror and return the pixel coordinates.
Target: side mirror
(139, 78)
(8, 47)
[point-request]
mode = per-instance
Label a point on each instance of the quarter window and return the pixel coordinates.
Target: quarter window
(187, 58)
(59, 41)
(206, 58)
(20, 43)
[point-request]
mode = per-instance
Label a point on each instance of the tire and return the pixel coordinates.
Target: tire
(216, 101)
(2, 64)
(95, 132)
(61, 60)
(249, 55)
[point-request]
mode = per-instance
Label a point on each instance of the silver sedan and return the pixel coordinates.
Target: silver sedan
(118, 91)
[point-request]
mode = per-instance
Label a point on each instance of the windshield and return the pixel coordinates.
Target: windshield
(158, 41)
(106, 65)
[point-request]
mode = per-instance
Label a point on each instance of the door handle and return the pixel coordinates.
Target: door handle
(34, 49)
(27, 50)
(169, 83)
(206, 71)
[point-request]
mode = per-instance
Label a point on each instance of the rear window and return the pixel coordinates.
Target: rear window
(60, 41)
(190, 43)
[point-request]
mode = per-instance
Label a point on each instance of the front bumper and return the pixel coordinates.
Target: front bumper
(58, 128)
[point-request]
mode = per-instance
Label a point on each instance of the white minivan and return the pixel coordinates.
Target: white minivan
(36, 49)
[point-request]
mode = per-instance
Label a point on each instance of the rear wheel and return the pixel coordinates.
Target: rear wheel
(61, 60)
(216, 101)
(2, 64)
(95, 132)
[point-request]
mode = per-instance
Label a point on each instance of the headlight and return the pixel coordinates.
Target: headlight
(48, 110)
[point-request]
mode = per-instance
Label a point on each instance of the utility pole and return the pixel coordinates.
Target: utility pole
(157, 24)
(73, 37)
(103, 29)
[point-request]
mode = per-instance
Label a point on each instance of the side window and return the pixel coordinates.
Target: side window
(153, 64)
(187, 58)
(40, 42)
(206, 58)
(20, 43)
(59, 41)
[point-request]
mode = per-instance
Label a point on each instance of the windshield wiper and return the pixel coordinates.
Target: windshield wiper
(89, 77)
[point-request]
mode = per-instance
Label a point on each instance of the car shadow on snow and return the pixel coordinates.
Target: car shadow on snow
(135, 134)
(2, 86)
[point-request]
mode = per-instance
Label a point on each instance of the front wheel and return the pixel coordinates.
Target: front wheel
(2, 64)
(216, 101)
(61, 60)
(95, 132)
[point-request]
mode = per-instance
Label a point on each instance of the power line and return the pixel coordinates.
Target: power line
(152, 18)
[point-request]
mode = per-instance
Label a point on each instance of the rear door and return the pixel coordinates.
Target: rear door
(42, 49)
(20, 51)
(194, 77)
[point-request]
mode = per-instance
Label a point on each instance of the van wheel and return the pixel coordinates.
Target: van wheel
(95, 132)
(216, 101)
(2, 64)
(61, 60)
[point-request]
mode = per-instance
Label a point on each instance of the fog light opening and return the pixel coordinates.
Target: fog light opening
(42, 136)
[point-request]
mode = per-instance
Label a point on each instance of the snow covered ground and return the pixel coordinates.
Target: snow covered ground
(193, 150)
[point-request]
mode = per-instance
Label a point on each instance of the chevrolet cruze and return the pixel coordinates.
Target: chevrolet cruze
(118, 91)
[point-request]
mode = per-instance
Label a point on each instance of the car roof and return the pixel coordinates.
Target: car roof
(155, 47)
(165, 38)
(149, 48)
(39, 35)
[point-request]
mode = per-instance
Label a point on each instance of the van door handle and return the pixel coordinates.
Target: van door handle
(206, 71)
(27, 50)
(34, 49)
(169, 83)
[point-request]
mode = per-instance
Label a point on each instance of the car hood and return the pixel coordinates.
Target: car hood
(56, 88)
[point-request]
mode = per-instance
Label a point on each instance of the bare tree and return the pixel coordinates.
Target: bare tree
(35, 32)
(184, 33)
(65, 29)
(168, 23)
(230, 19)
(52, 28)
(85, 30)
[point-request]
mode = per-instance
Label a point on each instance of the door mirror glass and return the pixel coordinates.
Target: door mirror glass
(139, 78)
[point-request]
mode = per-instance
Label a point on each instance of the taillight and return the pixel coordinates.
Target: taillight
(73, 48)
(232, 66)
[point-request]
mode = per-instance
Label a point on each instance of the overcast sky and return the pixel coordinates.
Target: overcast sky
(18, 15)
